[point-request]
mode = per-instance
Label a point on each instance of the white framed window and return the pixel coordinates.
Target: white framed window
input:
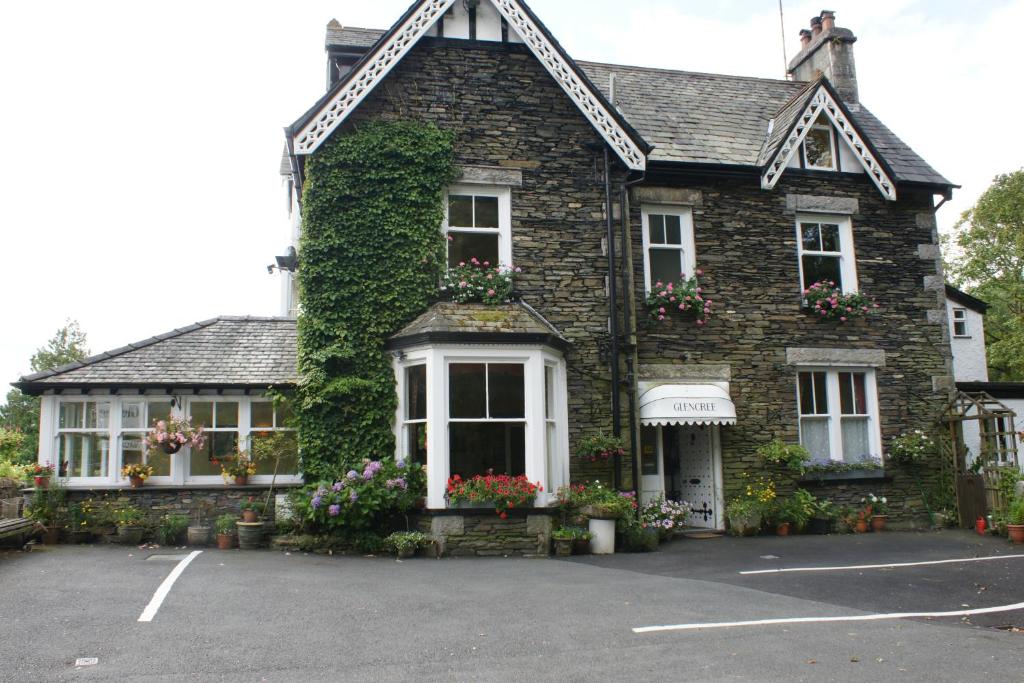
(669, 252)
(478, 224)
(139, 415)
(838, 411)
(960, 323)
(555, 476)
(819, 148)
(826, 252)
(83, 442)
(265, 421)
(220, 418)
(486, 418)
(413, 441)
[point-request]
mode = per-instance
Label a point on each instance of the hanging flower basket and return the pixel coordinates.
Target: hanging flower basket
(170, 448)
(683, 299)
(171, 434)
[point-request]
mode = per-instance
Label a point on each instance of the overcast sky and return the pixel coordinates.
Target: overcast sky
(139, 188)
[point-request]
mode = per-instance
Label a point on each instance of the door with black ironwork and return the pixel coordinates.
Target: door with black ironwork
(697, 475)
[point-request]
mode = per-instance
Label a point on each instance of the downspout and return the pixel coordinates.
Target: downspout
(613, 317)
(628, 279)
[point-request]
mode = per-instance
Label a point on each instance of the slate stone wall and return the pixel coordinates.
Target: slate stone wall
(485, 534)
(156, 502)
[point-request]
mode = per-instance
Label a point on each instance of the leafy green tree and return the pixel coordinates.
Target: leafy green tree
(988, 261)
(21, 412)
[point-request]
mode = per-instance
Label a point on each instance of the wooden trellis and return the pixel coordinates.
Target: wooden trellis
(975, 491)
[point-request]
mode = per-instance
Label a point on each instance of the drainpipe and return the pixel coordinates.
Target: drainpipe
(628, 280)
(613, 317)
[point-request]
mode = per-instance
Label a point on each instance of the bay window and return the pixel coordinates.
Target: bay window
(669, 252)
(825, 245)
(478, 224)
(414, 419)
(839, 415)
(486, 419)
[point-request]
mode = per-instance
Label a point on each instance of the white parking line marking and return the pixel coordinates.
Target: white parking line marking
(821, 620)
(165, 587)
(881, 566)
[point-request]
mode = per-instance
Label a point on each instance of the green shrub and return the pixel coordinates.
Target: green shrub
(777, 453)
(571, 533)
(405, 541)
(171, 529)
(1015, 515)
(225, 524)
(128, 515)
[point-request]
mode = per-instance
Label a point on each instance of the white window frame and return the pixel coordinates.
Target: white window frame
(122, 431)
(437, 359)
(688, 252)
(832, 143)
(847, 251)
(402, 417)
(283, 478)
(504, 229)
(243, 421)
(960, 317)
(835, 416)
(113, 466)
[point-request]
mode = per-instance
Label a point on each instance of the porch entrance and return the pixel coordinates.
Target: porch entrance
(683, 462)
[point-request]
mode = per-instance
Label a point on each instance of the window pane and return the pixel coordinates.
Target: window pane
(133, 451)
(846, 392)
(465, 246)
(159, 410)
(218, 445)
(83, 455)
(554, 467)
(478, 447)
(227, 415)
(855, 439)
(486, 212)
(262, 414)
(830, 238)
(286, 448)
(811, 236)
(818, 147)
(416, 393)
(666, 265)
(860, 393)
(467, 391)
(133, 414)
(507, 390)
(460, 211)
(284, 414)
(202, 413)
(649, 450)
(807, 393)
(71, 416)
(673, 231)
(657, 228)
(960, 329)
(820, 393)
(97, 415)
(416, 443)
(549, 392)
(822, 269)
(814, 437)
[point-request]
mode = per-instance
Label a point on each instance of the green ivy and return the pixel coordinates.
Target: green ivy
(372, 257)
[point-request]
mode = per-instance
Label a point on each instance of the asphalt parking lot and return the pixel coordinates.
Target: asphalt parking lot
(253, 616)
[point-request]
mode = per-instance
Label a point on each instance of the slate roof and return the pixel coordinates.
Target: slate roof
(966, 300)
(694, 117)
(508, 323)
(351, 36)
(222, 352)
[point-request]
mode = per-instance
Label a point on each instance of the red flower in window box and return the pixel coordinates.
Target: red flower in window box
(504, 491)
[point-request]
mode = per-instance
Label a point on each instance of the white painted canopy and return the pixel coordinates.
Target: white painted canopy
(687, 404)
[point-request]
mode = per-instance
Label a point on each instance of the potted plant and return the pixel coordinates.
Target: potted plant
(780, 515)
(879, 512)
(45, 507)
(199, 532)
(252, 509)
(172, 434)
(129, 525)
(746, 512)
(171, 530)
(501, 491)
(237, 468)
(41, 474)
(225, 526)
(1015, 520)
(405, 543)
(828, 301)
(600, 448)
(860, 519)
(250, 534)
(77, 524)
(638, 537)
(602, 507)
(667, 516)
(137, 473)
(566, 539)
(822, 517)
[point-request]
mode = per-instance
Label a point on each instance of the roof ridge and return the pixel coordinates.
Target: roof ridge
(691, 73)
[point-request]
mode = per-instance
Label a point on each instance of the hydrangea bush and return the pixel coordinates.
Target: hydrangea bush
(479, 281)
(828, 302)
(362, 500)
(682, 299)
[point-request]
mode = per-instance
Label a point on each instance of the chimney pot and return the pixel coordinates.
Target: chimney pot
(816, 25)
(828, 20)
(805, 38)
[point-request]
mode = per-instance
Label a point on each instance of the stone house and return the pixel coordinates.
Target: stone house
(599, 181)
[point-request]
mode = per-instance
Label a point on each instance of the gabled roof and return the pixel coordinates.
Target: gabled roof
(966, 300)
(447, 322)
(310, 131)
(339, 36)
(239, 352)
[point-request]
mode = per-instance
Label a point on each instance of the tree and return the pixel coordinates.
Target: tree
(989, 263)
(21, 412)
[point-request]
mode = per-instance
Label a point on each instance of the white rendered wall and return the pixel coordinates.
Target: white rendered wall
(970, 363)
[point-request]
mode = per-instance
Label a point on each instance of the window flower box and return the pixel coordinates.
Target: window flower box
(682, 299)
(825, 300)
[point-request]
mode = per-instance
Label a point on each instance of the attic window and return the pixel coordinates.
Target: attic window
(819, 148)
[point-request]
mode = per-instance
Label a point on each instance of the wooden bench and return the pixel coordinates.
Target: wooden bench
(18, 530)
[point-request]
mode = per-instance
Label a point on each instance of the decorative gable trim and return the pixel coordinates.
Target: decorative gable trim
(401, 39)
(823, 101)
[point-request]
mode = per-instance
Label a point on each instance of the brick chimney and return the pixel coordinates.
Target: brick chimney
(827, 49)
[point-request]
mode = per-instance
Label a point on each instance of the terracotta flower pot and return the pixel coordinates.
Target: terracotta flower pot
(783, 529)
(42, 482)
(1016, 532)
(225, 541)
(241, 480)
(250, 516)
(137, 482)
(878, 522)
(51, 536)
(861, 527)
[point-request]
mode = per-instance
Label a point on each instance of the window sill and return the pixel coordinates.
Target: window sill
(855, 476)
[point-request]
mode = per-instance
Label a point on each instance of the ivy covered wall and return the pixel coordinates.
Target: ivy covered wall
(372, 256)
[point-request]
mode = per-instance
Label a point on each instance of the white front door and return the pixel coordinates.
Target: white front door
(699, 477)
(652, 464)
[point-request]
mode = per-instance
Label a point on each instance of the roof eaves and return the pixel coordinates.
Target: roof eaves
(965, 299)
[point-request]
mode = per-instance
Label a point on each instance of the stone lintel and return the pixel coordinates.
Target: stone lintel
(811, 203)
(490, 175)
(685, 373)
(667, 195)
(872, 358)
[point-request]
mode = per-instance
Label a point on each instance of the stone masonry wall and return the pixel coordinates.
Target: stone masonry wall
(484, 534)
(156, 502)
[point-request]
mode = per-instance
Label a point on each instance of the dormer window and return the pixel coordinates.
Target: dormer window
(819, 148)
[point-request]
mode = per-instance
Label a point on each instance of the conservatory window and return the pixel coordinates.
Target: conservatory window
(220, 425)
(138, 416)
(839, 415)
(669, 251)
(826, 251)
(478, 225)
(486, 418)
(819, 148)
(268, 422)
(83, 439)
